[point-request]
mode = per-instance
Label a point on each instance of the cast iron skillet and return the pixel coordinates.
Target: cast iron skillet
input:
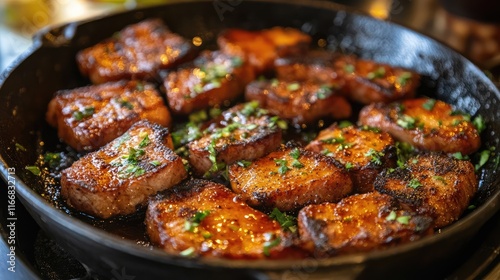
(50, 65)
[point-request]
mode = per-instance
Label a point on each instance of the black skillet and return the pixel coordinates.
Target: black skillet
(49, 65)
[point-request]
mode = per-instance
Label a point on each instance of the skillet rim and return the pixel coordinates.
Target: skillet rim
(27, 194)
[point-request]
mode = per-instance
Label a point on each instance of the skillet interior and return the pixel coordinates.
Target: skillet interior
(50, 66)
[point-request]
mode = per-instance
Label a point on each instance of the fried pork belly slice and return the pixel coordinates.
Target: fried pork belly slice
(244, 132)
(119, 177)
(206, 219)
(136, 52)
(315, 66)
(214, 79)
(425, 123)
(360, 223)
(299, 103)
(290, 179)
(434, 183)
(89, 117)
(262, 47)
(364, 152)
(366, 81)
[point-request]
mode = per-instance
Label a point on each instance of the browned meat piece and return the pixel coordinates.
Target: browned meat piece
(299, 103)
(89, 117)
(290, 179)
(315, 66)
(202, 218)
(360, 223)
(120, 176)
(215, 78)
(244, 132)
(434, 183)
(262, 47)
(367, 81)
(425, 123)
(363, 151)
(136, 52)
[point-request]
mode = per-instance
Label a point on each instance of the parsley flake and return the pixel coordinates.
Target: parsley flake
(293, 86)
(429, 104)
(287, 222)
(414, 183)
(33, 169)
(375, 156)
(85, 113)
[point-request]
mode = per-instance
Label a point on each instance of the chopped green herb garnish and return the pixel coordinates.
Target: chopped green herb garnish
(403, 220)
(287, 222)
(378, 73)
(206, 235)
(274, 82)
(198, 117)
(324, 92)
(391, 216)
(189, 252)
(375, 156)
(327, 152)
(370, 128)
(440, 178)
(283, 168)
(33, 169)
(214, 112)
(403, 78)
(20, 147)
(334, 140)
(471, 207)
(52, 159)
(126, 104)
(406, 122)
(479, 123)
(404, 151)
(192, 223)
(276, 121)
(295, 153)
(198, 88)
(349, 165)
(293, 86)
(244, 163)
(139, 86)
(414, 183)
(297, 164)
(236, 61)
(429, 104)
(458, 155)
(155, 163)
(85, 113)
(145, 141)
(344, 124)
(268, 245)
(349, 68)
(484, 156)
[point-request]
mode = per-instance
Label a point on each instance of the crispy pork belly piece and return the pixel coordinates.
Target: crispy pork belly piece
(364, 152)
(366, 81)
(214, 79)
(315, 66)
(244, 132)
(89, 117)
(202, 218)
(290, 179)
(425, 123)
(299, 103)
(434, 183)
(360, 223)
(119, 177)
(262, 47)
(136, 52)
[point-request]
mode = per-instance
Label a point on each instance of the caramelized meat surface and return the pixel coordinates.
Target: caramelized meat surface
(215, 78)
(364, 152)
(366, 81)
(299, 103)
(244, 132)
(136, 52)
(425, 123)
(360, 223)
(120, 176)
(262, 47)
(290, 179)
(89, 117)
(315, 66)
(206, 219)
(434, 183)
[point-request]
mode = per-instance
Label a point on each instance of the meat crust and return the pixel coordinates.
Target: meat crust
(425, 123)
(360, 223)
(290, 179)
(119, 177)
(89, 117)
(436, 184)
(363, 151)
(136, 52)
(207, 219)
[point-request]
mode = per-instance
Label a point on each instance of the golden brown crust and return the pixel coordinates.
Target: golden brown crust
(299, 103)
(290, 179)
(136, 52)
(425, 123)
(230, 229)
(120, 176)
(365, 152)
(89, 117)
(214, 79)
(436, 184)
(360, 223)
